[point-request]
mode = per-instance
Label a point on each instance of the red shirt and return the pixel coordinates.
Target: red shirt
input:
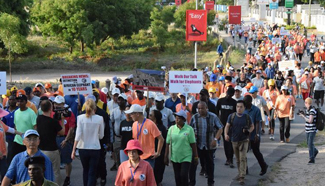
(69, 122)
(143, 174)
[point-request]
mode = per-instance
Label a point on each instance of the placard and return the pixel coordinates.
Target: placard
(234, 14)
(276, 41)
(196, 25)
(146, 88)
(3, 83)
(274, 4)
(246, 28)
(262, 2)
(287, 65)
(289, 3)
(185, 81)
(209, 5)
(76, 83)
(284, 32)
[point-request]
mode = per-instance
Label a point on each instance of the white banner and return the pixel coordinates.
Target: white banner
(3, 83)
(276, 41)
(185, 81)
(262, 2)
(287, 65)
(74, 83)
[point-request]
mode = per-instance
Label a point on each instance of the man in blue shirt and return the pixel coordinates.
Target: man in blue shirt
(254, 139)
(17, 170)
(73, 102)
(172, 102)
(9, 121)
(269, 71)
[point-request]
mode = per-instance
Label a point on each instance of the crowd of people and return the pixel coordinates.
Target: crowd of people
(145, 131)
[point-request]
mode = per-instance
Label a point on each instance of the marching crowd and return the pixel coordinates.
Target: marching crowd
(43, 129)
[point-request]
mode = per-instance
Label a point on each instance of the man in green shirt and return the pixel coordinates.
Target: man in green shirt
(24, 119)
(36, 169)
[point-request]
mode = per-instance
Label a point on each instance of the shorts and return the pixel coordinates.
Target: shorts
(319, 94)
(65, 153)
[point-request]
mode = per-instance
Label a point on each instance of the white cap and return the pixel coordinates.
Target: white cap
(181, 113)
(105, 90)
(123, 96)
(130, 76)
(307, 72)
(259, 72)
(238, 88)
(151, 94)
(39, 84)
(115, 79)
(284, 87)
(134, 108)
(322, 62)
(59, 99)
(319, 66)
(90, 96)
(159, 97)
(116, 91)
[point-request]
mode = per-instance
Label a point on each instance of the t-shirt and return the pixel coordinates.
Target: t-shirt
(125, 132)
(3, 129)
(241, 83)
(283, 104)
(35, 100)
(258, 82)
(139, 102)
(48, 129)
(236, 127)
(146, 133)
(72, 102)
(9, 121)
(181, 140)
(172, 104)
(167, 115)
(225, 107)
(319, 83)
(311, 127)
(116, 117)
(24, 120)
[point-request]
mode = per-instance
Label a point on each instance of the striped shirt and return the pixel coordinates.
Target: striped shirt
(311, 127)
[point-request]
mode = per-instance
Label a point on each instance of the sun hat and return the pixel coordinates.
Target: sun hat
(133, 145)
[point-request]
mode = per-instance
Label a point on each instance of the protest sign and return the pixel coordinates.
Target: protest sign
(196, 25)
(234, 14)
(76, 83)
(287, 65)
(276, 41)
(185, 81)
(3, 83)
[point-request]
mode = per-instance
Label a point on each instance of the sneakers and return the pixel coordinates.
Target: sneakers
(227, 163)
(287, 140)
(66, 181)
(242, 181)
(263, 171)
(272, 137)
(311, 162)
(102, 182)
(62, 166)
(231, 165)
(281, 141)
(202, 172)
(316, 154)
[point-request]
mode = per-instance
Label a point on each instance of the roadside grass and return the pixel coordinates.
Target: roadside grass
(319, 140)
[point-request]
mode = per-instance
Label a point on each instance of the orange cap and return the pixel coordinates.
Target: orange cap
(20, 92)
(249, 85)
(125, 82)
(48, 85)
(35, 89)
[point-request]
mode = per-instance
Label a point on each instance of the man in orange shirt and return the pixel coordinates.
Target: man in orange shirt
(317, 56)
(145, 131)
(214, 84)
(49, 90)
(140, 100)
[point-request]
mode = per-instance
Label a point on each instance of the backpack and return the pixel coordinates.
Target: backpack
(320, 120)
(232, 118)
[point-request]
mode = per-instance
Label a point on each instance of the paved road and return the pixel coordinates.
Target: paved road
(273, 151)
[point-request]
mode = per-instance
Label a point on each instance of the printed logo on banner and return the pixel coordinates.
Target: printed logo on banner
(196, 25)
(185, 81)
(234, 14)
(209, 5)
(76, 83)
(3, 83)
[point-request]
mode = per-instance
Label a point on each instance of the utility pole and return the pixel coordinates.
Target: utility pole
(309, 16)
(195, 42)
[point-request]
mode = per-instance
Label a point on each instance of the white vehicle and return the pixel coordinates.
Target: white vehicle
(171, 3)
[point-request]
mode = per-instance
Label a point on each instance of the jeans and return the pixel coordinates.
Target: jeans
(284, 125)
(240, 149)
(3, 167)
(311, 147)
(255, 146)
(89, 160)
(206, 156)
(181, 171)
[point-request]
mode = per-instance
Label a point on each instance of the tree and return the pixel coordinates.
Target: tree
(10, 35)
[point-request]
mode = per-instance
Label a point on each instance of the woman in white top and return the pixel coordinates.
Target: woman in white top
(89, 131)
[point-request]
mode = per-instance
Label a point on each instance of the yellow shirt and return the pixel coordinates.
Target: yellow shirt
(100, 104)
(46, 183)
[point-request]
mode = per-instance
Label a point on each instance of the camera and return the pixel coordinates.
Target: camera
(61, 111)
(300, 112)
(245, 130)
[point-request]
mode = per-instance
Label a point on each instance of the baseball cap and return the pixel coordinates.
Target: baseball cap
(306, 72)
(48, 85)
(238, 88)
(30, 132)
(159, 97)
(253, 89)
(182, 94)
(319, 66)
(213, 90)
(116, 91)
(39, 85)
(35, 89)
(59, 99)
(7, 94)
(93, 82)
(130, 76)
(249, 85)
(90, 96)
(322, 62)
(105, 90)
(182, 114)
(213, 78)
(204, 91)
(20, 92)
(134, 108)
(221, 78)
(258, 72)
(40, 160)
(284, 87)
(115, 79)
(151, 94)
(13, 88)
(28, 90)
(123, 96)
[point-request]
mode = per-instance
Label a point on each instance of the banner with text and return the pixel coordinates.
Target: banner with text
(274, 4)
(74, 83)
(276, 40)
(185, 81)
(287, 65)
(196, 25)
(234, 14)
(209, 5)
(3, 83)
